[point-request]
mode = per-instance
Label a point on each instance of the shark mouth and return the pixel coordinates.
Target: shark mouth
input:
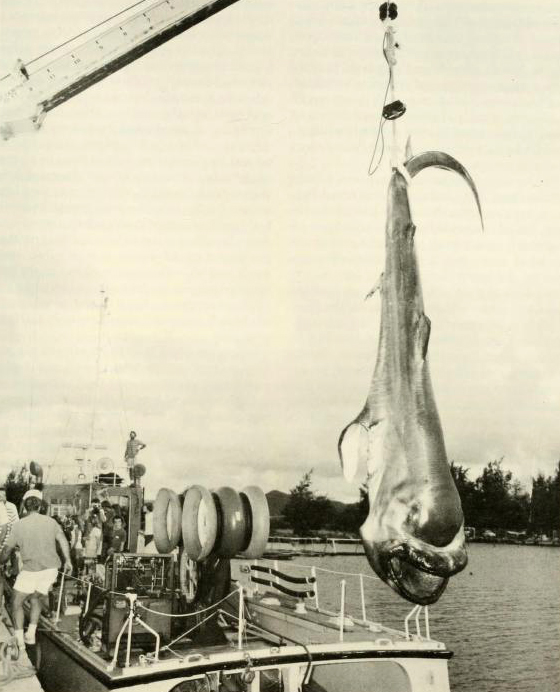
(413, 583)
(417, 570)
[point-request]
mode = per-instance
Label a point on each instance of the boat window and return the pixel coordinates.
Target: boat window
(60, 509)
(212, 683)
(269, 681)
(359, 676)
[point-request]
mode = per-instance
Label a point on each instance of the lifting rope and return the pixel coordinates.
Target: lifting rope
(395, 109)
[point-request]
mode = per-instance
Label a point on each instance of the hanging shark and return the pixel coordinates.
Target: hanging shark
(413, 535)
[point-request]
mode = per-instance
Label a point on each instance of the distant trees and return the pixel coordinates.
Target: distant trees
(494, 500)
(499, 502)
(17, 482)
(545, 503)
(306, 511)
(354, 515)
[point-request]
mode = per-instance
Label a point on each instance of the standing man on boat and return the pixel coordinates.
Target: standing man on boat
(37, 537)
(133, 446)
(8, 515)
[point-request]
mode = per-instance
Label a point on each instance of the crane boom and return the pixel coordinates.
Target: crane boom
(31, 90)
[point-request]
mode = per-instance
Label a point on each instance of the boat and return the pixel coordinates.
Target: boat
(205, 612)
(161, 621)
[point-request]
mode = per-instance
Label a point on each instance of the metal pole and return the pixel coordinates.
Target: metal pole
(363, 597)
(86, 607)
(255, 563)
(407, 618)
(342, 608)
(417, 620)
(315, 587)
(60, 594)
(240, 620)
(427, 622)
(129, 636)
(152, 631)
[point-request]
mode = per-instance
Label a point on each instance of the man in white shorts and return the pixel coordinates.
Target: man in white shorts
(36, 536)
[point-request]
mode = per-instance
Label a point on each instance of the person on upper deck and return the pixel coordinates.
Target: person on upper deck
(37, 537)
(133, 446)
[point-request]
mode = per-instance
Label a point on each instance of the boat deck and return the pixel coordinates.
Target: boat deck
(15, 675)
(271, 620)
(279, 636)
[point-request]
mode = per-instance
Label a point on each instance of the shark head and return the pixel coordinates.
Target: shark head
(413, 535)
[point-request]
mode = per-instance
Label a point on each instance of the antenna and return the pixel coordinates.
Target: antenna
(102, 311)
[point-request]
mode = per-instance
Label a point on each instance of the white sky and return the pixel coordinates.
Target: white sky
(217, 189)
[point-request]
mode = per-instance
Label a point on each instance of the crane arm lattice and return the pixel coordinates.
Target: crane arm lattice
(31, 90)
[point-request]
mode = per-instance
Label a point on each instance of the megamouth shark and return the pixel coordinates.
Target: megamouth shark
(413, 535)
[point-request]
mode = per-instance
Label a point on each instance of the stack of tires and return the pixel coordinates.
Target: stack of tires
(223, 523)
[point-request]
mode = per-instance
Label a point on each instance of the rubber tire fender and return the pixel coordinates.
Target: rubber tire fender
(232, 523)
(199, 523)
(258, 522)
(167, 520)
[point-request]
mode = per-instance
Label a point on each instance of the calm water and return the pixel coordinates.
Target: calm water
(501, 616)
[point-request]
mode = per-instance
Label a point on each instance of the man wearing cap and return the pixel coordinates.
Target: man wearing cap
(37, 491)
(37, 537)
(133, 446)
(8, 515)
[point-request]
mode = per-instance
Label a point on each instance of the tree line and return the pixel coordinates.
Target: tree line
(497, 501)
(494, 500)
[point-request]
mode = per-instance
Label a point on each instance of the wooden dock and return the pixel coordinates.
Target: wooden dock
(18, 675)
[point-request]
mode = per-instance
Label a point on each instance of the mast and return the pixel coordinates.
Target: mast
(102, 311)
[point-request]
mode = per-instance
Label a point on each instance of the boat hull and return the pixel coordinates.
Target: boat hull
(64, 665)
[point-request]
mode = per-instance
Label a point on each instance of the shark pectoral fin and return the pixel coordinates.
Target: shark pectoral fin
(422, 336)
(352, 449)
(378, 287)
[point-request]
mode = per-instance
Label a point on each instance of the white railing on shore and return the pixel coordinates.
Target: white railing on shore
(73, 473)
(315, 544)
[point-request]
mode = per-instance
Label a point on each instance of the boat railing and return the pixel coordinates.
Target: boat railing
(341, 608)
(301, 588)
(68, 474)
(133, 619)
(416, 613)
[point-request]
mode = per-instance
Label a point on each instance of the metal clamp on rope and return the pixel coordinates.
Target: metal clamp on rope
(388, 9)
(393, 110)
